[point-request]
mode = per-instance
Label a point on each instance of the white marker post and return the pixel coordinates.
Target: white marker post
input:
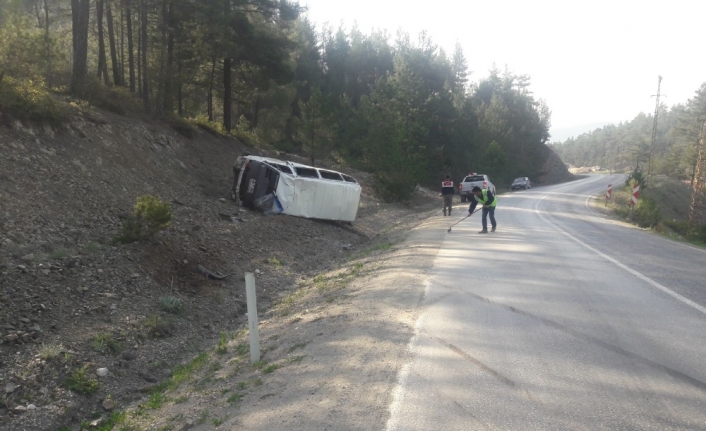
(252, 317)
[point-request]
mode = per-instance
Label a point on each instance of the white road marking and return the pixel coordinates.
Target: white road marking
(398, 396)
(621, 265)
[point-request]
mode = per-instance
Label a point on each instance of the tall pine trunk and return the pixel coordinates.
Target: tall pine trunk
(211, 80)
(227, 73)
(130, 48)
(47, 44)
(80, 11)
(169, 78)
(143, 40)
(256, 113)
(161, 79)
(179, 90)
(227, 94)
(117, 78)
(102, 62)
(36, 12)
(139, 53)
(122, 46)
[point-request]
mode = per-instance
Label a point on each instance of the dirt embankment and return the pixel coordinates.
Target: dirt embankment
(72, 301)
(554, 170)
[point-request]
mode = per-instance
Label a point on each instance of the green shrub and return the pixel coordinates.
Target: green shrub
(106, 343)
(636, 177)
(79, 381)
(222, 347)
(265, 367)
(647, 213)
(50, 351)
(275, 262)
(156, 214)
(394, 186)
(156, 400)
(156, 327)
(181, 126)
(111, 423)
(212, 127)
(115, 99)
(287, 146)
(27, 99)
(151, 216)
(247, 138)
(171, 304)
(235, 398)
(698, 233)
(680, 227)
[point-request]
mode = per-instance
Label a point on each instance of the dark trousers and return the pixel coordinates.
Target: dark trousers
(489, 211)
(448, 202)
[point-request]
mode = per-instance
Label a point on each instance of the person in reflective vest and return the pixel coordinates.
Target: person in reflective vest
(447, 191)
(486, 198)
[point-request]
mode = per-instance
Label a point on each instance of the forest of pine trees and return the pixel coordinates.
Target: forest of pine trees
(627, 146)
(258, 69)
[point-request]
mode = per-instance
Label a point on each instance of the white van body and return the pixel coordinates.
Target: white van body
(300, 190)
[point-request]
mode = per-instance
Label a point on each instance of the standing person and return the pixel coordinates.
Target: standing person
(447, 191)
(486, 198)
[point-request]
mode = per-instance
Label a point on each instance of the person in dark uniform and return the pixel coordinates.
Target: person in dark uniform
(447, 191)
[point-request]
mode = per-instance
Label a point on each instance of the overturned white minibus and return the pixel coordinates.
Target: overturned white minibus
(299, 190)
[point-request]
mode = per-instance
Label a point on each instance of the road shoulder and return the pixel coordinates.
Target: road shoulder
(332, 348)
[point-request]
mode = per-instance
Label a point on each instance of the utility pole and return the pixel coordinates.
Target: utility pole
(697, 210)
(654, 129)
(696, 161)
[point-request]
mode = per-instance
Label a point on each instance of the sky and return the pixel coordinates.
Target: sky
(592, 61)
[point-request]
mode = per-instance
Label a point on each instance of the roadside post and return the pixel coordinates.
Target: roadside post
(253, 329)
(608, 193)
(633, 200)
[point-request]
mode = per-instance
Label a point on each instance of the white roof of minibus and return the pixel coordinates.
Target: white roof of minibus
(288, 163)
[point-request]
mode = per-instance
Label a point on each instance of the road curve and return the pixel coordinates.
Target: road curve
(561, 320)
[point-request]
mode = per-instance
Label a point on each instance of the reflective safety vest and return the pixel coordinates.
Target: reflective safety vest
(483, 199)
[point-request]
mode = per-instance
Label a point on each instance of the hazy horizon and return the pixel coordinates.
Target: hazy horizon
(564, 133)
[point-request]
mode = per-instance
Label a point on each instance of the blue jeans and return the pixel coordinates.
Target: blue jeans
(489, 211)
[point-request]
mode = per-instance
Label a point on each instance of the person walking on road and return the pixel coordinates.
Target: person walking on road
(447, 191)
(486, 198)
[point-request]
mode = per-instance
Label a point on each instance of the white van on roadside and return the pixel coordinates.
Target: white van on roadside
(298, 190)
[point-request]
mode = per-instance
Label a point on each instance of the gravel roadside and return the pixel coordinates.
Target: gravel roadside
(332, 349)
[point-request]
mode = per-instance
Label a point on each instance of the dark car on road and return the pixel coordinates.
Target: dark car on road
(521, 183)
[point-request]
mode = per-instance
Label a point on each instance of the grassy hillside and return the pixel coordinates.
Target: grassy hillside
(663, 206)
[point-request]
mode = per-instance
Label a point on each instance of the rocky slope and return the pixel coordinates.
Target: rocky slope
(70, 300)
(554, 170)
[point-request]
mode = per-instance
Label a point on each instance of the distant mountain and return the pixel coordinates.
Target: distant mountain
(564, 133)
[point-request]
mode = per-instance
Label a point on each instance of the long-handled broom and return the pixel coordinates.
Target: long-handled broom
(462, 219)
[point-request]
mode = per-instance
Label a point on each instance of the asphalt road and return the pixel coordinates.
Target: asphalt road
(561, 320)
